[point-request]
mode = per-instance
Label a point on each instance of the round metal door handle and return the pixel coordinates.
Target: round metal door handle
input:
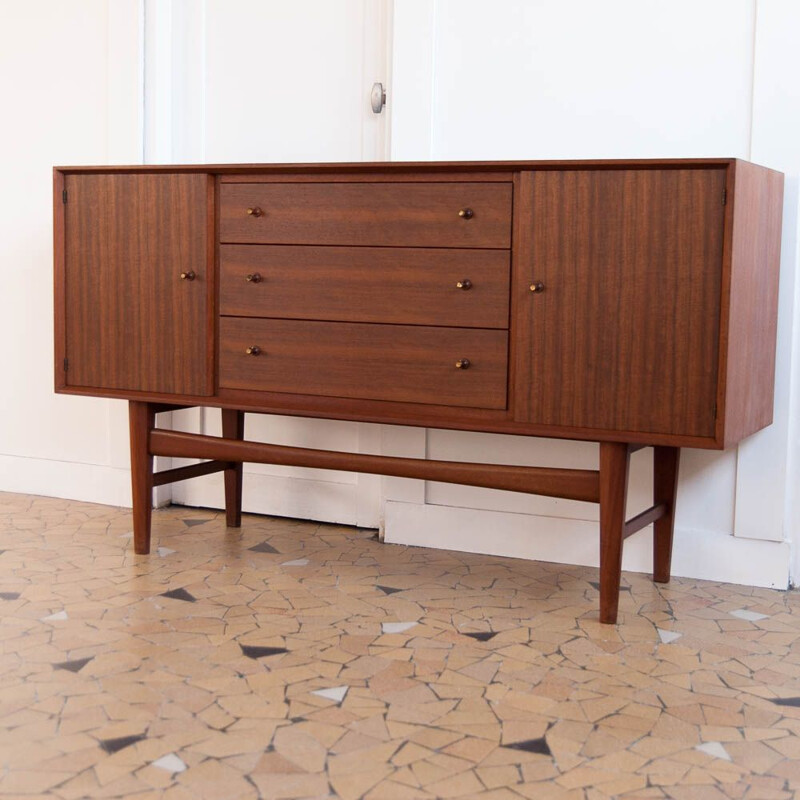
(253, 350)
(537, 286)
(466, 213)
(188, 276)
(255, 211)
(465, 284)
(462, 363)
(253, 277)
(377, 98)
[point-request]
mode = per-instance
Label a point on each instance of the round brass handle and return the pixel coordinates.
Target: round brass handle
(462, 363)
(253, 277)
(188, 276)
(465, 284)
(466, 213)
(254, 350)
(255, 211)
(537, 286)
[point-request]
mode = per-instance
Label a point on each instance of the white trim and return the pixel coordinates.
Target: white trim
(89, 483)
(125, 82)
(765, 481)
(413, 54)
(376, 68)
(278, 496)
(709, 555)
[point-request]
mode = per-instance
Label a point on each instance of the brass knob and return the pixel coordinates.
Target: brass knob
(537, 287)
(462, 363)
(465, 284)
(466, 213)
(188, 276)
(253, 350)
(255, 211)
(253, 277)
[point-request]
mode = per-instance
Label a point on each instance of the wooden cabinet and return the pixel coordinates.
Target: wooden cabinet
(403, 363)
(624, 333)
(133, 323)
(417, 214)
(629, 303)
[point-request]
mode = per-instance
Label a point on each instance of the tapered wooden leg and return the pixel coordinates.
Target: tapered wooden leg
(141, 417)
(665, 489)
(614, 459)
(233, 428)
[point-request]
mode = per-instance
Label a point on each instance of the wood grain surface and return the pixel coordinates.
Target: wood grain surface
(750, 329)
(384, 214)
(414, 286)
(131, 322)
(625, 334)
(575, 484)
(414, 364)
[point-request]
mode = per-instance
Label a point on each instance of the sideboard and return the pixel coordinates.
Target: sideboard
(631, 303)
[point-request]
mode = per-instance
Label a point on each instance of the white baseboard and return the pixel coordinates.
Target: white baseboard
(324, 501)
(696, 554)
(90, 483)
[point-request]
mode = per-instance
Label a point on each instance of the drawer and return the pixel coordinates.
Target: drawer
(405, 363)
(415, 286)
(396, 214)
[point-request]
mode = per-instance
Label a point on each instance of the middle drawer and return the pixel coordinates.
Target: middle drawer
(414, 286)
(403, 363)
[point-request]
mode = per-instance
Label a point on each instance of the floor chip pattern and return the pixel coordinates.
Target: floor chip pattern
(290, 659)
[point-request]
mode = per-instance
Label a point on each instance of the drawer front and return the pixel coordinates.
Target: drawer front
(415, 286)
(413, 364)
(414, 214)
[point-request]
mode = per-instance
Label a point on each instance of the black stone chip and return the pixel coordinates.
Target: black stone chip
(388, 589)
(481, 636)
(539, 746)
(9, 595)
(794, 702)
(179, 594)
(254, 651)
(264, 547)
(190, 523)
(115, 745)
(73, 666)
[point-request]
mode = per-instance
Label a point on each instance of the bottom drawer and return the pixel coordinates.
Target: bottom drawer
(403, 363)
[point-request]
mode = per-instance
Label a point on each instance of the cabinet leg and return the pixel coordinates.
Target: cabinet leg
(233, 428)
(665, 486)
(141, 418)
(614, 460)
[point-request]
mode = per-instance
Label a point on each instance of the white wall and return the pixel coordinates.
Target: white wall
(622, 79)
(69, 79)
(517, 79)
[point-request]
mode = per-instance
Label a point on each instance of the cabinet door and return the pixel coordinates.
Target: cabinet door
(624, 333)
(132, 321)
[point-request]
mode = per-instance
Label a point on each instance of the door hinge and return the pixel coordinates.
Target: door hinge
(724, 196)
(66, 364)
(64, 196)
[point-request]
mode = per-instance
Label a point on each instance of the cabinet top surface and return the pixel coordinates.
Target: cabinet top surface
(408, 166)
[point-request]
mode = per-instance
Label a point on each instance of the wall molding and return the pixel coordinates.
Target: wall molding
(709, 555)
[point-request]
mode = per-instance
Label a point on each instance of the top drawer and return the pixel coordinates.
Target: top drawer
(406, 214)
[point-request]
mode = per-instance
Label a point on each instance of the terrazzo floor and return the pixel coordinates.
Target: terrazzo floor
(289, 659)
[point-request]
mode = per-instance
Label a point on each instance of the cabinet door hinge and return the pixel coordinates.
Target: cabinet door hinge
(724, 196)
(66, 364)
(64, 196)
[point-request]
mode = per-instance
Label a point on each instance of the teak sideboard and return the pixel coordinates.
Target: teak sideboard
(632, 303)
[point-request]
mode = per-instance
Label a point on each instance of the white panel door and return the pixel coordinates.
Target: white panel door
(547, 79)
(274, 81)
